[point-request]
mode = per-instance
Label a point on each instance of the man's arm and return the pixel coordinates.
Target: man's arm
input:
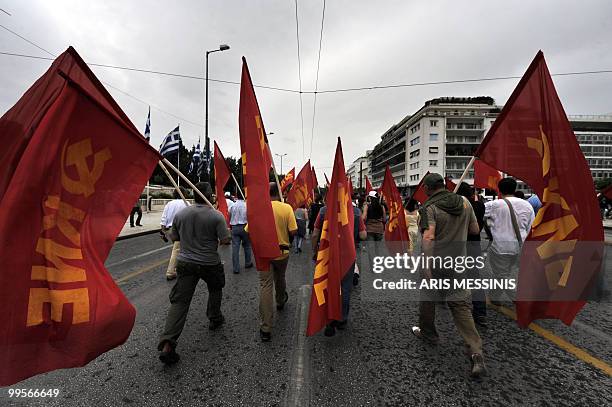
(223, 233)
(291, 222)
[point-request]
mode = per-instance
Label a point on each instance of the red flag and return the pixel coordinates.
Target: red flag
(315, 181)
(336, 251)
(450, 185)
(607, 191)
(396, 230)
(256, 170)
(222, 175)
(369, 186)
(287, 180)
(301, 192)
(533, 141)
(419, 194)
(485, 176)
(61, 307)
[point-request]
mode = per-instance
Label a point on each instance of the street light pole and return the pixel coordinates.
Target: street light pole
(281, 157)
(222, 47)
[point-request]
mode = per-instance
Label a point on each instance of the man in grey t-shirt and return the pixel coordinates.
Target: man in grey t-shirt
(200, 228)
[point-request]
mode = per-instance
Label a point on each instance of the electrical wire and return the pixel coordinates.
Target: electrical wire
(314, 105)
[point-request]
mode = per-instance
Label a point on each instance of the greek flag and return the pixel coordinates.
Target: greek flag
(171, 142)
(195, 159)
(204, 164)
(147, 133)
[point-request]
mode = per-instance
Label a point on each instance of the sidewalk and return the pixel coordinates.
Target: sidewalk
(150, 223)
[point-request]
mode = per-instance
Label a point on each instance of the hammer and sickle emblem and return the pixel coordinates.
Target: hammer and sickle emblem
(76, 154)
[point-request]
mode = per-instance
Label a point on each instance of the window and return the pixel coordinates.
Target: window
(415, 153)
(433, 163)
(415, 141)
(433, 150)
(433, 123)
(414, 178)
(414, 166)
(433, 137)
(415, 128)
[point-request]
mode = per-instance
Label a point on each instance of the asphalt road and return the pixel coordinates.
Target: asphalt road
(375, 361)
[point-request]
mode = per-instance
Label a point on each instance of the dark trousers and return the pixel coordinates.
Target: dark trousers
(135, 210)
(188, 276)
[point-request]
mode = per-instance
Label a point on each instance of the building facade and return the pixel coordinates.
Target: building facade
(358, 170)
(594, 134)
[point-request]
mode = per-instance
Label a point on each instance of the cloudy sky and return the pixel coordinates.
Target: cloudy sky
(365, 43)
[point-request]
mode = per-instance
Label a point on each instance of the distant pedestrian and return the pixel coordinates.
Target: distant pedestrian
(445, 221)
(273, 279)
(228, 200)
(412, 222)
(200, 229)
(301, 217)
(374, 216)
(509, 220)
(136, 209)
(170, 210)
(238, 221)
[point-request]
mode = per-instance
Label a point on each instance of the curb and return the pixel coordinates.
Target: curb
(138, 234)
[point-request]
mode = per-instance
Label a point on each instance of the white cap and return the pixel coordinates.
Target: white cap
(373, 194)
(227, 194)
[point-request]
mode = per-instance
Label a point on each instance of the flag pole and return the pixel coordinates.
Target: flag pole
(163, 167)
(465, 172)
(237, 186)
(280, 192)
(180, 174)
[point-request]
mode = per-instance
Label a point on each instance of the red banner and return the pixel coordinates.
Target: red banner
(368, 185)
(301, 192)
(396, 230)
(336, 251)
(485, 176)
(419, 194)
(450, 184)
(222, 175)
(288, 179)
(66, 198)
(533, 141)
(256, 161)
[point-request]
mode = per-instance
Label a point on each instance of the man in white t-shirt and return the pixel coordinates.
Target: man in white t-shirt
(228, 200)
(504, 253)
(170, 210)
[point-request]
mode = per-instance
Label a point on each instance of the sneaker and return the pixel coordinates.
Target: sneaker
(216, 324)
(170, 357)
(341, 325)
(249, 266)
(171, 277)
(478, 367)
(416, 331)
(330, 330)
(236, 272)
(265, 336)
(282, 305)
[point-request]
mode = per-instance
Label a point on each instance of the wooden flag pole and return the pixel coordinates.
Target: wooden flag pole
(280, 193)
(237, 186)
(163, 167)
(180, 174)
(465, 172)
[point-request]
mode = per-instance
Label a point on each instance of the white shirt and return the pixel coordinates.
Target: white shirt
(497, 216)
(238, 213)
(229, 203)
(170, 210)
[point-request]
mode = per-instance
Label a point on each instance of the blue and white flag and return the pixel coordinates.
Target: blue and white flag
(171, 143)
(195, 159)
(147, 133)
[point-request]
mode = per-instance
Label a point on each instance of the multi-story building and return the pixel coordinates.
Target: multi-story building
(594, 134)
(358, 170)
(440, 137)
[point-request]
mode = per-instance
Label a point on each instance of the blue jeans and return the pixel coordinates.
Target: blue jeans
(347, 286)
(240, 236)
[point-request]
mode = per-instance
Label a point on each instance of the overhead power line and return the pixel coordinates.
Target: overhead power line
(314, 105)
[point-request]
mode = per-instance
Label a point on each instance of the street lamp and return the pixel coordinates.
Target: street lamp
(281, 157)
(222, 47)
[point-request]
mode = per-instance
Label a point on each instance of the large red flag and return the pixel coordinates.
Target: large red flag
(301, 192)
(256, 171)
(80, 166)
(485, 176)
(336, 251)
(533, 141)
(450, 184)
(222, 175)
(396, 230)
(287, 180)
(369, 186)
(419, 194)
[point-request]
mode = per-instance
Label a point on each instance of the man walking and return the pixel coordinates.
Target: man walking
(274, 278)
(200, 228)
(509, 220)
(238, 221)
(446, 219)
(136, 210)
(170, 211)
